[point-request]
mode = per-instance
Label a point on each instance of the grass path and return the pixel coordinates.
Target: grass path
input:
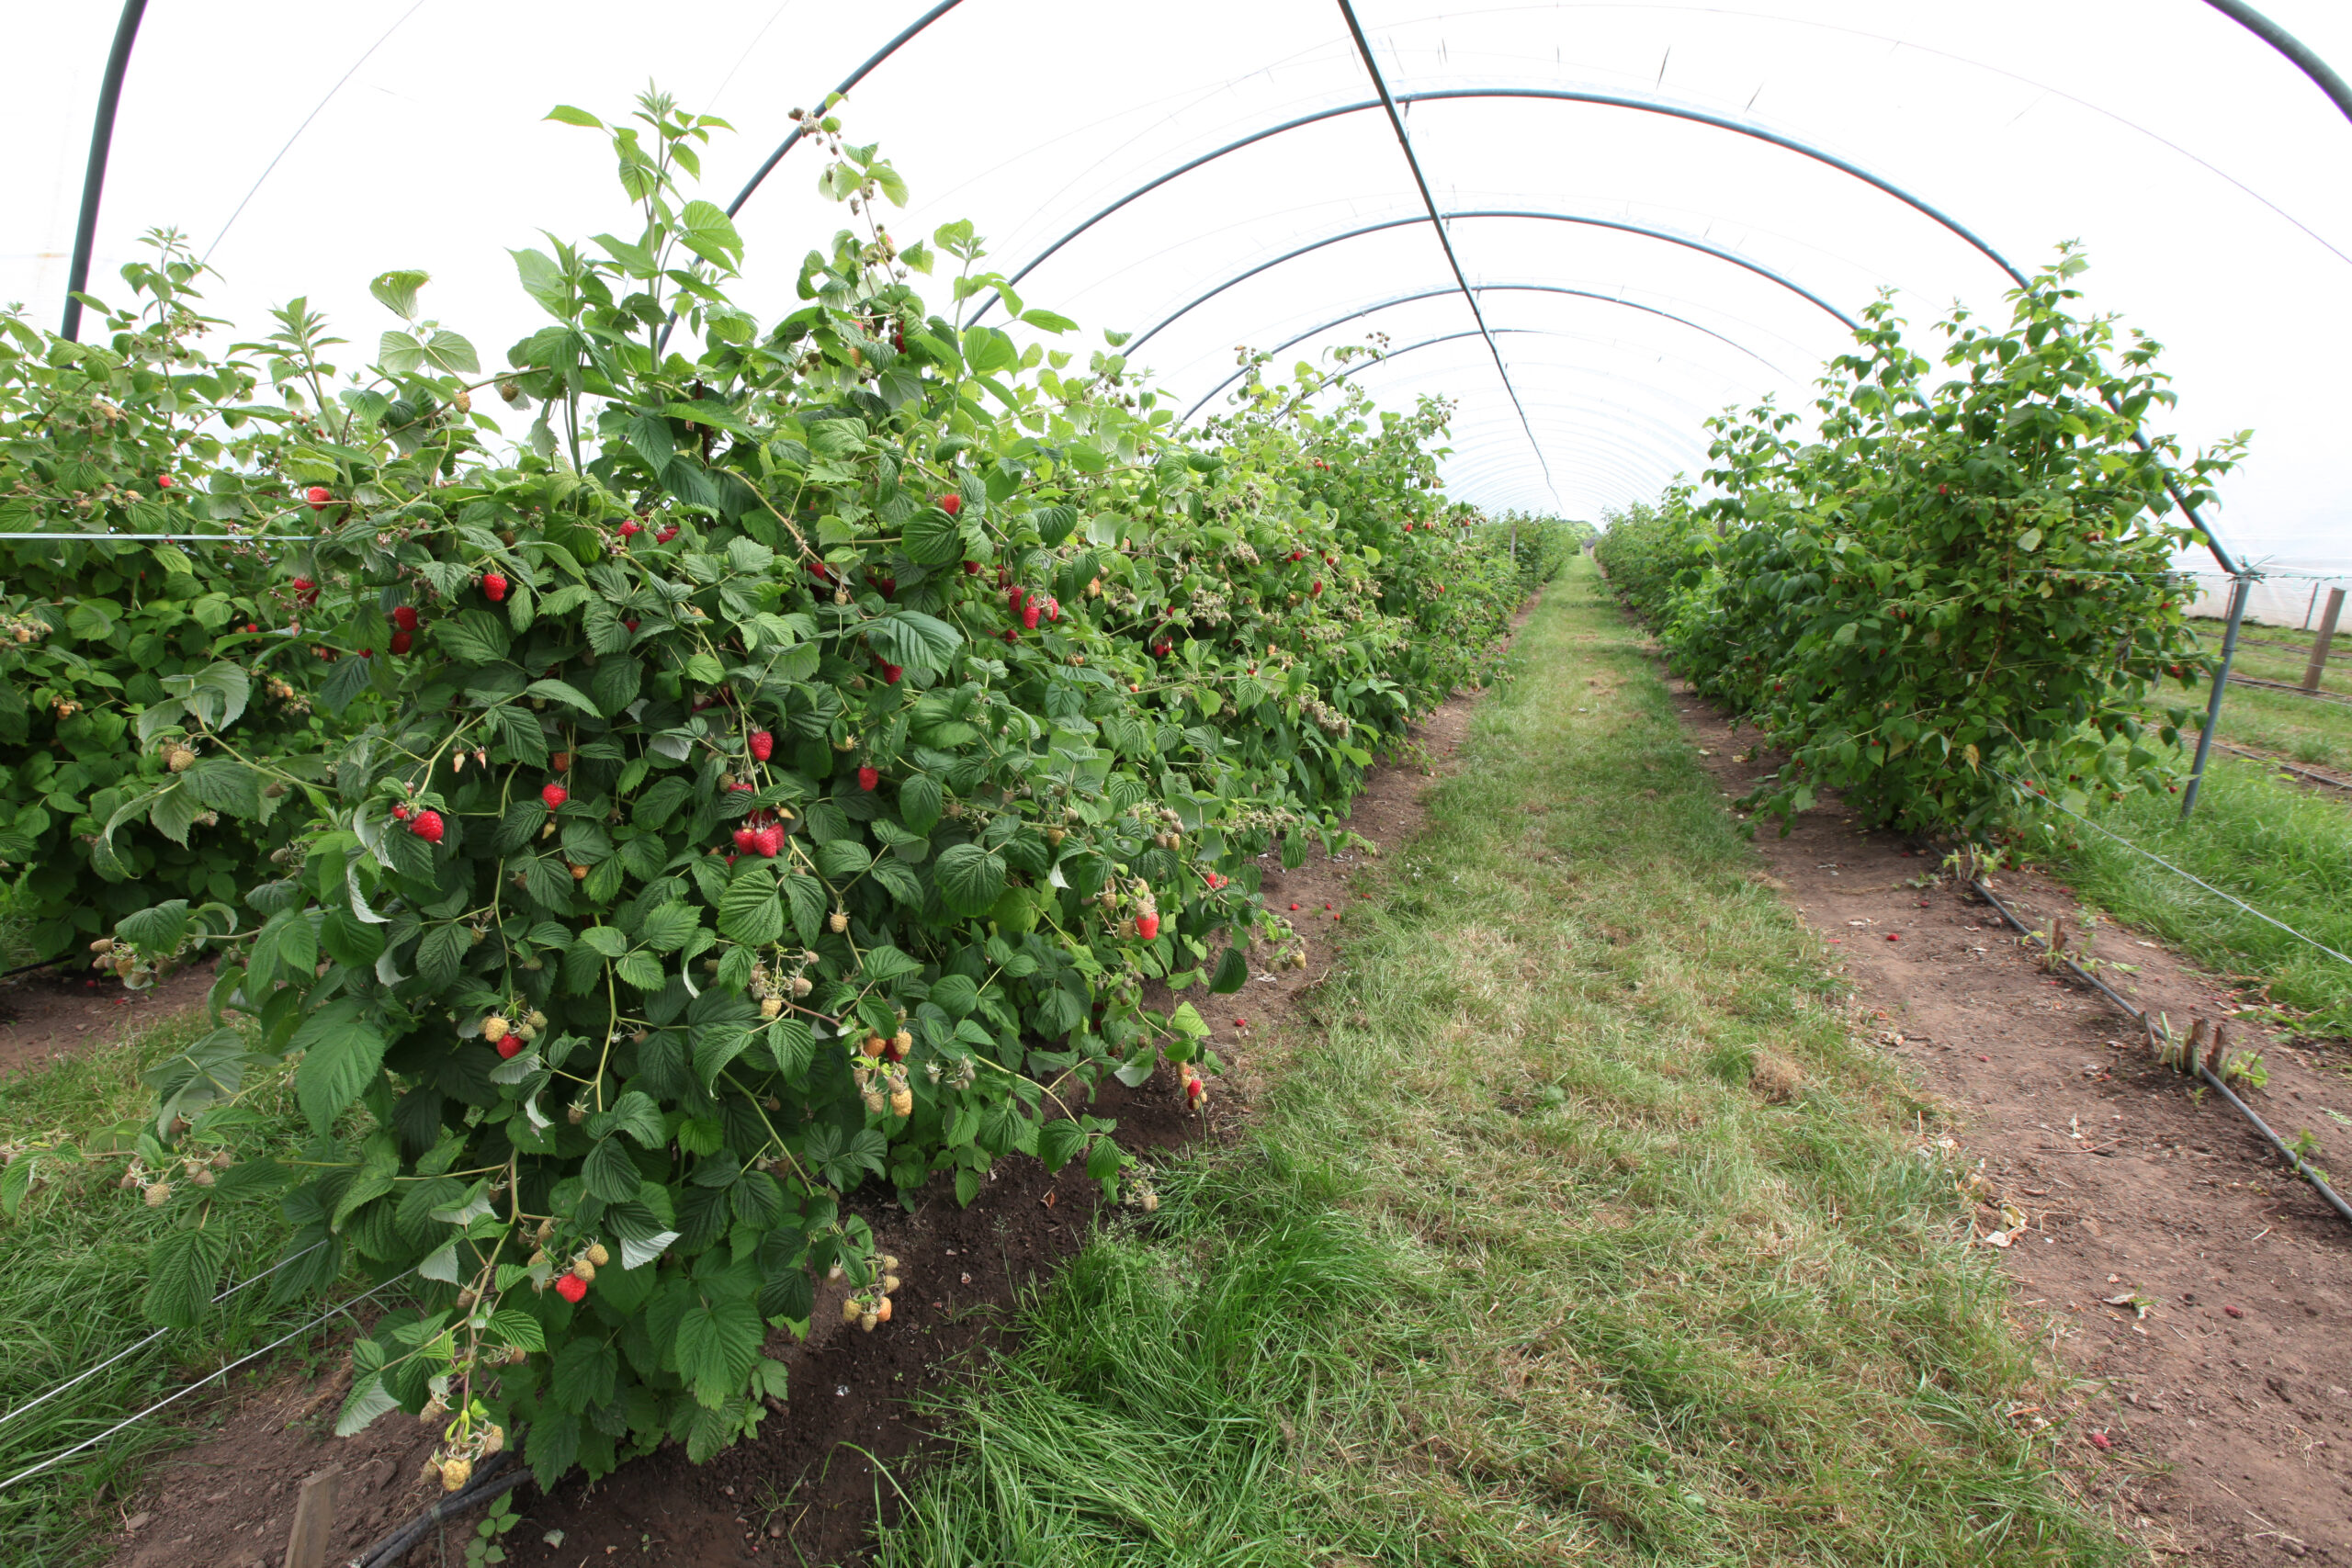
(1583, 1232)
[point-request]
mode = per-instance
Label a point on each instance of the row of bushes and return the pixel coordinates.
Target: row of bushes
(783, 773)
(1948, 598)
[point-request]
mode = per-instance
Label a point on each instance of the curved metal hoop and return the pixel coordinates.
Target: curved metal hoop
(1554, 94)
(1488, 289)
(1619, 224)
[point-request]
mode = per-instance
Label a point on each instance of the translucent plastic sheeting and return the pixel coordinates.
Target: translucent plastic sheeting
(1639, 269)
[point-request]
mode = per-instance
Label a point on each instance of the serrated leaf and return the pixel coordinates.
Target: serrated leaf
(970, 879)
(608, 1173)
(715, 1347)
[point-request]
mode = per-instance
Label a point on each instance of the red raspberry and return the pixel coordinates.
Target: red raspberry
(555, 794)
(950, 504)
(1030, 613)
(769, 840)
(971, 568)
(761, 743)
(318, 496)
(426, 824)
(868, 778)
(403, 641)
(404, 618)
(400, 813)
(632, 528)
(571, 1288)
(890, 674)
(1148, 926)
(510, 1046)
(493, 586)
(746, 840)
(165, 482)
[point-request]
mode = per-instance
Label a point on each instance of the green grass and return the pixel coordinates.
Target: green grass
(72, 1271)
(2302, 729)
(1583, 1231)
(2280, 847)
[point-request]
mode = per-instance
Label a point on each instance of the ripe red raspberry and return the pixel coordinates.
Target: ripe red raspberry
(1298, 554)
(632, 528)
(951, 504)
(890, 674)
(666, 534)
(404, 618)
(868, 778)
(746, 840)
(493, 586)
(511, 1046)
(318, 496)
(165, 482)
(555, 794)
(1029, 615)
(769, 840)
(761, 743)
(971, 568)
(251, 627)
(1148, 926)
(400, 813)
(1317, 587)
(571, 1288)
(426, 824)
(1013, 597)
(403, 641)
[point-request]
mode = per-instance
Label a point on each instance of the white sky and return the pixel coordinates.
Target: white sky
(2208, 177)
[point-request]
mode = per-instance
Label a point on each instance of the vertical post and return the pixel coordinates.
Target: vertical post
(306, 1547)
(2318, 666)
(2244, 586)
(94, 177)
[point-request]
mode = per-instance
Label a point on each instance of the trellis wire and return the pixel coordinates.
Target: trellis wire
(8, 1415)
(209, 1377)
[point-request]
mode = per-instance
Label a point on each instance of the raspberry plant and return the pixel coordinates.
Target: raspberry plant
(814, 741)
(1951, 597)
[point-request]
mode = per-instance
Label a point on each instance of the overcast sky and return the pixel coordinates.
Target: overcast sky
(1654, 270)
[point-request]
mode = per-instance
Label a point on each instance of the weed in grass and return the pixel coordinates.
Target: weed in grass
(1538, 1256)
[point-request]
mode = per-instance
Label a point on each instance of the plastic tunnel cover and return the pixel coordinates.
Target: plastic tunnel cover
(302, 149)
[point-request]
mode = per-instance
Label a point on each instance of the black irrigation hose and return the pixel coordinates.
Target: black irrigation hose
(488, 1483)
(2294, 1160)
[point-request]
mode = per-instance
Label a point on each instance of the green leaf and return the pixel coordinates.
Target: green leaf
(609, 1173)
(970, 879)
(396, 292)
(1232, 971)
(183, 1270)
(562, 692)
(920, 802)
(751, 913)
(570, 116)
(341, 1057)
(715, 1346)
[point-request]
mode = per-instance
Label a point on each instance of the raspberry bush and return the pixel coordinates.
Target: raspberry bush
(813, 739)
(1953, 597)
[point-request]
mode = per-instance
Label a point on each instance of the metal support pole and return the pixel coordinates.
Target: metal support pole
(2243, 587)
(2318, 666)
(94, 177)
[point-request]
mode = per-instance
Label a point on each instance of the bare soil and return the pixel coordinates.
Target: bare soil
(51, 1014)
(813, 1486)
(2202, 1293)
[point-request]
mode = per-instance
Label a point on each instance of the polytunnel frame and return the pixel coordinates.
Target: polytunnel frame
(1487, 288)
(2273, 35)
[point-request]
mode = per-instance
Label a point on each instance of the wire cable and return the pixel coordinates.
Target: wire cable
(209, 1377)
(1437, 222)
(2190, 876)
(8, 1415)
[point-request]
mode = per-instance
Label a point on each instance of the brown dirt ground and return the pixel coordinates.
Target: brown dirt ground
(810, 1487)
(2202, 1295)
(54, 1013)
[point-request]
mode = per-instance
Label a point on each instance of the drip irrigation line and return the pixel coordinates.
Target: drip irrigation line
(8, 1415)
(2238, 680)
(495, 1475)
(2188, 877)
(209, 1377)
(2294, 1161)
